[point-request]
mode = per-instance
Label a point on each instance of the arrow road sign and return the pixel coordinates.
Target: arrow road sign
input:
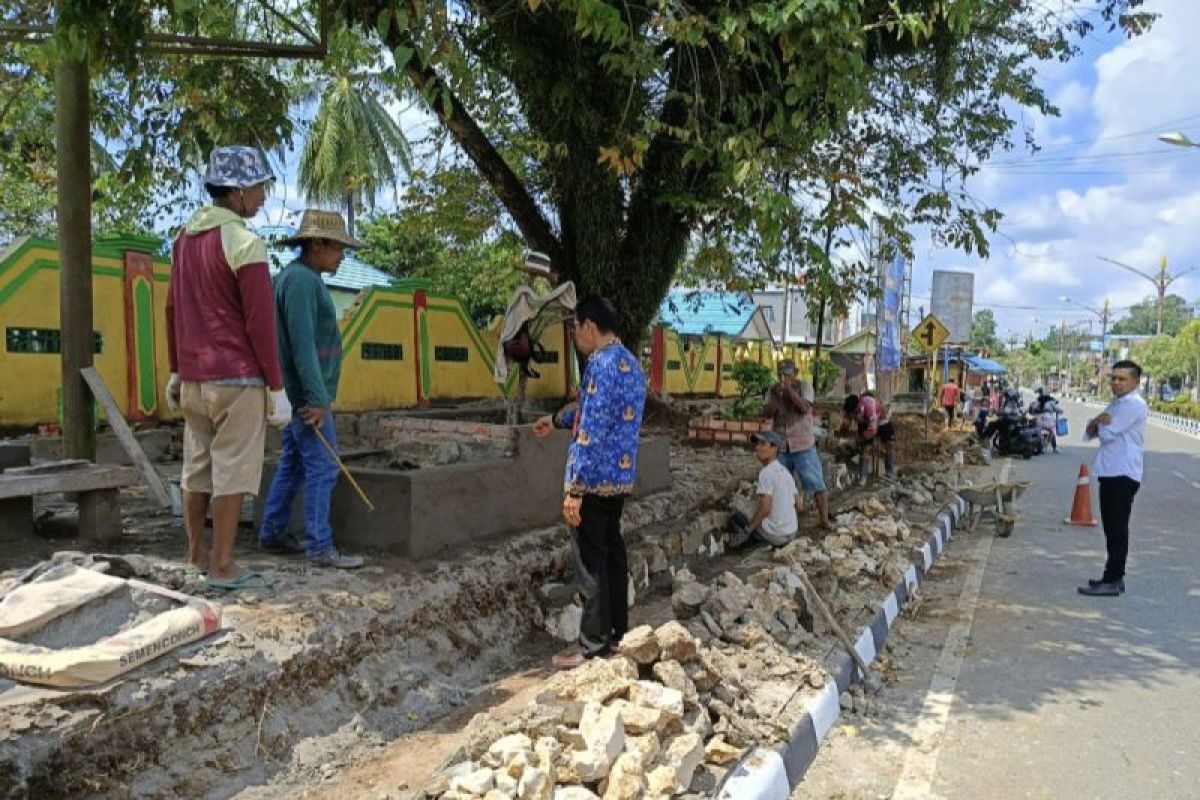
(930, 332)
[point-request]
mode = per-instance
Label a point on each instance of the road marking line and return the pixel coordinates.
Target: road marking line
(1186, 479)
(920, 765)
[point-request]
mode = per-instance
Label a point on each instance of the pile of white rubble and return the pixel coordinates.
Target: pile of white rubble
(667, 717)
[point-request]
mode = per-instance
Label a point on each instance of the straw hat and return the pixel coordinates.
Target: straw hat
(322, 225)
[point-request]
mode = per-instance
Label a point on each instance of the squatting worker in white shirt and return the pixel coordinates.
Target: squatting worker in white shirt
(774, 520)
(1121, 429)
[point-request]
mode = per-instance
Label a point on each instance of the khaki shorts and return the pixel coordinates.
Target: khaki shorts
(224, 434)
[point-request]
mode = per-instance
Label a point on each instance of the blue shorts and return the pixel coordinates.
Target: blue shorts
(806, 466)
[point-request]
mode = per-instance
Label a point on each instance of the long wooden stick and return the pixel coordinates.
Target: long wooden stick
(125, 435)
(838, 630)
(345, 471)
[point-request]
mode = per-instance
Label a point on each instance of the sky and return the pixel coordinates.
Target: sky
(1102, 185)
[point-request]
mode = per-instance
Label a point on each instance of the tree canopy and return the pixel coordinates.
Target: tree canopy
(756, 140)
(1142, 319)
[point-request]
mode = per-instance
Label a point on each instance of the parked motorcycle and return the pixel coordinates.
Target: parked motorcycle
(1015, 435)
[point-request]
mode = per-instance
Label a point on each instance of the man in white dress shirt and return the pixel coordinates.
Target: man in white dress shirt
(1121, 429)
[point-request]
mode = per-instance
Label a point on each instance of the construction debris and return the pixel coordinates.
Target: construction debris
(667, 716)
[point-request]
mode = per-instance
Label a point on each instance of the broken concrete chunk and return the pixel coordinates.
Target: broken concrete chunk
(604, 739)
(640, 644)
(535, 785)
(505, 749)
(688, 598)
(477, 782)
(574, 793)
(625, 781)
(676, 765)
(640, 720)
(697, 721)
(676, 642)
(563, 623)
(718, 751)
(654, 695)
(643, 749)
(672, 675)
(506, 788)
(597, 680)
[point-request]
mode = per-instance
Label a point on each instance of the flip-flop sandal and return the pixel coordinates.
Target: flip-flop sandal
(243, 581)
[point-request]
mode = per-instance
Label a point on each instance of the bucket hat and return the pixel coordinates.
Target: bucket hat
(237, 166)
(322, 225)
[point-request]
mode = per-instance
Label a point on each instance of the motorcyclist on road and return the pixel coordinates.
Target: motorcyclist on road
(1045, 410)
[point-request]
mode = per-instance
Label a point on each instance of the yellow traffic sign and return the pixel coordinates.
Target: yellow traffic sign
(930, 332)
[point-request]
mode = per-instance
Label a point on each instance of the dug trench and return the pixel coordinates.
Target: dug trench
(314, 685)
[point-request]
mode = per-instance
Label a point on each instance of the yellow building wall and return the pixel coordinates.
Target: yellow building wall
(29, 298)
(29, 384)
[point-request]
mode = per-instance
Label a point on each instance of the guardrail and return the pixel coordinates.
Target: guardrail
(1172, 422)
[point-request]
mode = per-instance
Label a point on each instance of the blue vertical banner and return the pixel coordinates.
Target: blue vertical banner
(889, 314)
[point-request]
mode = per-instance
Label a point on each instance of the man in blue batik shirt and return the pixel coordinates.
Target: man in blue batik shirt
(601, 470)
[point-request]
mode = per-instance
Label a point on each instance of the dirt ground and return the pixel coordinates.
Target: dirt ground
(331, 684)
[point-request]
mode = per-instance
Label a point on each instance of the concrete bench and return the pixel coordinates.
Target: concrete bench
(96, 487)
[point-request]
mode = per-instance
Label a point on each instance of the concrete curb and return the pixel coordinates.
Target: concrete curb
(772, 774)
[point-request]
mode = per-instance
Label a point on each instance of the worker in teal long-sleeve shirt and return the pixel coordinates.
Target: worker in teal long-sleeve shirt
(310, 350)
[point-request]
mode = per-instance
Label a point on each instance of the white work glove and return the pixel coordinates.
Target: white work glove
(174, 388)
(279, 409)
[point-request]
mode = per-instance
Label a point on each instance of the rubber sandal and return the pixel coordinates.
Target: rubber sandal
(568, 661)
(242, 581)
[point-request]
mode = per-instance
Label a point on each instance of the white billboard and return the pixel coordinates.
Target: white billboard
(952, 303)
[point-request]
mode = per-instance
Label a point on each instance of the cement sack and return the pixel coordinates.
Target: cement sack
(55, 592)
(107, 658)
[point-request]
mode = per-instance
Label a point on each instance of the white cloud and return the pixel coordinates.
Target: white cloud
(1102, 186)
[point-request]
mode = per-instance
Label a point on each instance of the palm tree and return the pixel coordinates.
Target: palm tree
(353, 147)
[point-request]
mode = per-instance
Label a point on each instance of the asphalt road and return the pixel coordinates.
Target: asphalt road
(1018, 687)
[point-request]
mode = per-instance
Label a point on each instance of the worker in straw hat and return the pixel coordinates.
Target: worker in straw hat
(310, 350)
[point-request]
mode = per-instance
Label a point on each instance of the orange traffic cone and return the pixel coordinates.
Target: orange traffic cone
(1081, 509)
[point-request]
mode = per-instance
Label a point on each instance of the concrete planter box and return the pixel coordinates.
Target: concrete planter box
(423, 512)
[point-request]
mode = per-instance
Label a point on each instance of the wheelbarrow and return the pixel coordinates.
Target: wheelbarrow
(999, 498)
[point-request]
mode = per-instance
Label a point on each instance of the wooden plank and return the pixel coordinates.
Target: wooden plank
(52, 466)
(79, 480)
(125, 436)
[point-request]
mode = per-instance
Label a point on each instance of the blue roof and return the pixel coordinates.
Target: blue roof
(696, 313)
(984, 365)
(352, 275)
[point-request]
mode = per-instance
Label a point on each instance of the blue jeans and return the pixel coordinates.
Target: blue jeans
(304, 461)
(806, 466)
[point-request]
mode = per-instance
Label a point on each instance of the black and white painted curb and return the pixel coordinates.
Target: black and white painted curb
(771, 774)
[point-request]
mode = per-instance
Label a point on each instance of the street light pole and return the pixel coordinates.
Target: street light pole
(1161, 282)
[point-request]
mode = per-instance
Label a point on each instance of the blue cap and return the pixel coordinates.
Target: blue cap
(237, 166)
(770, 437)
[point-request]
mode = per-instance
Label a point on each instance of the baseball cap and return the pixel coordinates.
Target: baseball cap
(770, 437)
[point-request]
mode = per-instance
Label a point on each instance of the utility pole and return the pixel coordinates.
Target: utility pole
(1161, 282)
(72, 114)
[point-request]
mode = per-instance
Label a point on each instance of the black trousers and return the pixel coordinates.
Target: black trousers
(1116, 502)
(602, 571)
